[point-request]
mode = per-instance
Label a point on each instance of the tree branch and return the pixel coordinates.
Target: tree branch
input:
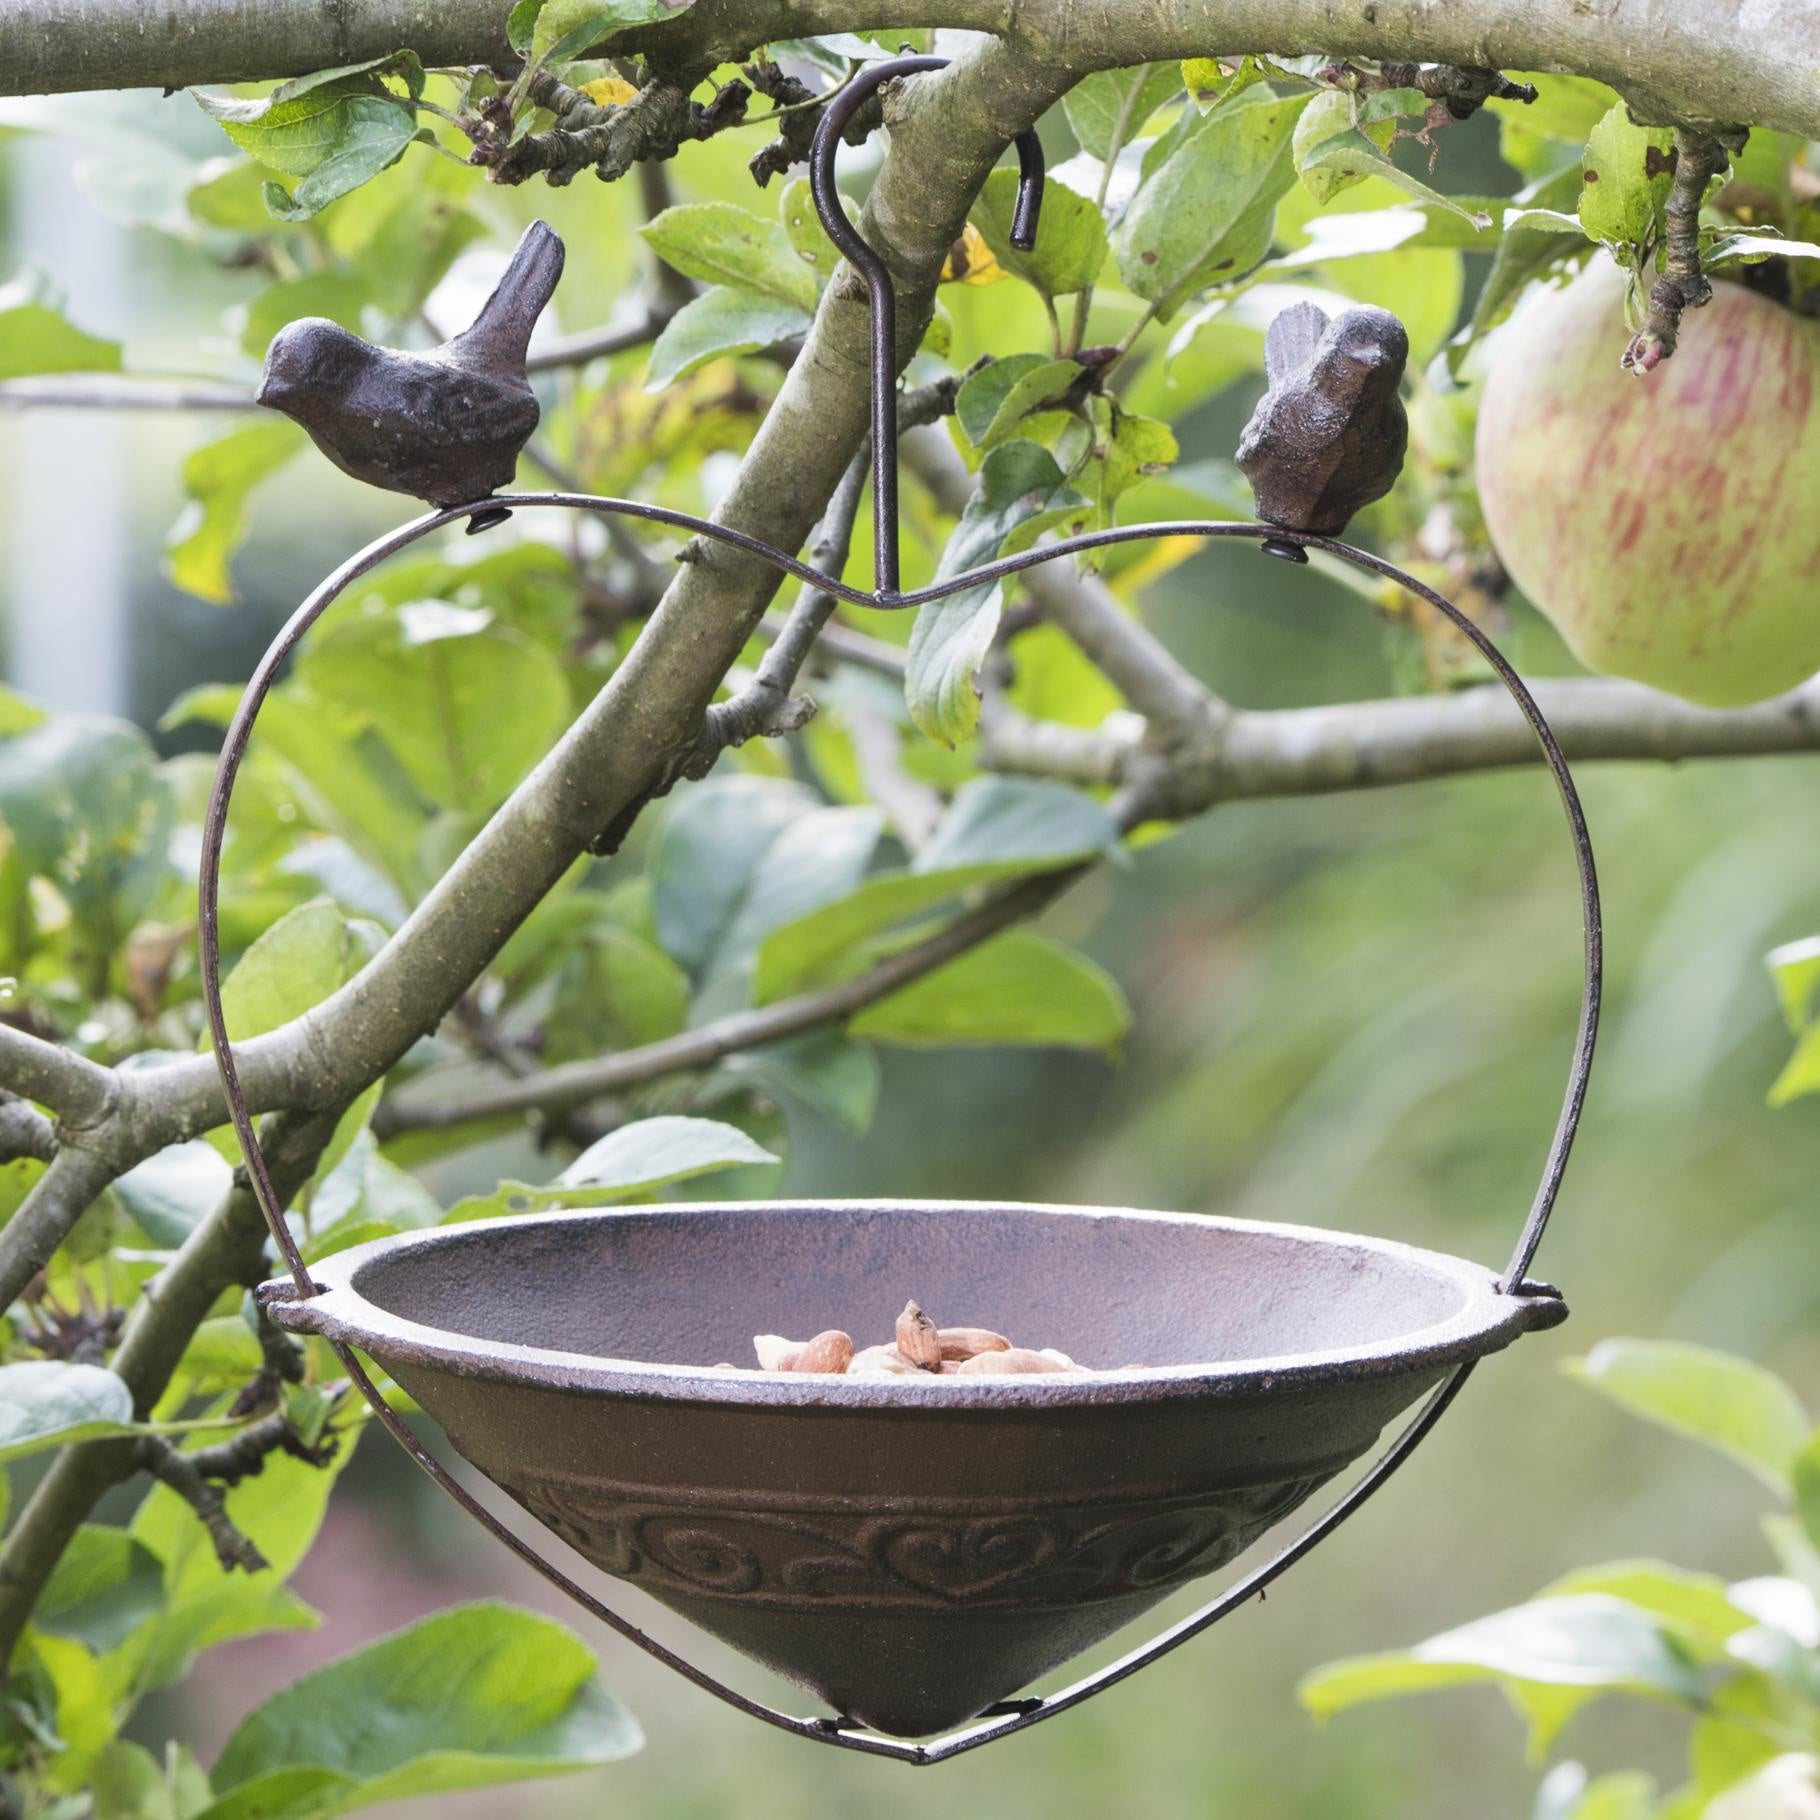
(79, 1091)
(170, 1466)
(765, 705)
(557, 1089)
(227, 1249)
(1723, 61)
(25, 1131)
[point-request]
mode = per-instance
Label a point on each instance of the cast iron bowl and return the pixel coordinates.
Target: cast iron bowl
(912, 1550)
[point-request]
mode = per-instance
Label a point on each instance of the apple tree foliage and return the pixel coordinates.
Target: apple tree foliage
(1187, 204)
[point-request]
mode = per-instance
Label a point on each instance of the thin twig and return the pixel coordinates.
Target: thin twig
(578, 1082)
(176, 1469)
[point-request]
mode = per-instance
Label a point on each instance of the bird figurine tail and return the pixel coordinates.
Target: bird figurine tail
(501, 334)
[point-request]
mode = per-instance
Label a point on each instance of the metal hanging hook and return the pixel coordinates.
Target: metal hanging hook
(883, 293)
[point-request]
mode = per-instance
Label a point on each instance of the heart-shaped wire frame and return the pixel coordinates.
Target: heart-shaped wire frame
(1014, 1715)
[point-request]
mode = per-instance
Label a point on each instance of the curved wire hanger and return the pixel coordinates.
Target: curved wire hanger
(1016, 1715)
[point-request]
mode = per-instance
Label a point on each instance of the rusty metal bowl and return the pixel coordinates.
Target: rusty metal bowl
(912, 1550)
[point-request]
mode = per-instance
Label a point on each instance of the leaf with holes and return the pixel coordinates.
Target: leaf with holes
(1625, 179)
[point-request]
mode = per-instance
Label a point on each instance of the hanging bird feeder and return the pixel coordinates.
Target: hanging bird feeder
(914, 1550)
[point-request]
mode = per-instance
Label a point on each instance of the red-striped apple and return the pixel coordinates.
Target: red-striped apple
(1668, 525)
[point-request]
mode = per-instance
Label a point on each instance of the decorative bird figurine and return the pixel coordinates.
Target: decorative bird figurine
(447, 425)
(1329, 435)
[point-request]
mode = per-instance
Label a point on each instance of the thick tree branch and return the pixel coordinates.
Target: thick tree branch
(1720, 61)
(78, 1091)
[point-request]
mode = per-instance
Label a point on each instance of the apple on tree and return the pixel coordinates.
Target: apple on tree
(1668, 526)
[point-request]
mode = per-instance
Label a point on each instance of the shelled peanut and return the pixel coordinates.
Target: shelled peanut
(918, 1348)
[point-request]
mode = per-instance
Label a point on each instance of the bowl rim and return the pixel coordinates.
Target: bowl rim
(1485, 1320)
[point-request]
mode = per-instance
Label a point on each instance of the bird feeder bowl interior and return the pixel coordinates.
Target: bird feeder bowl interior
(912, 1550)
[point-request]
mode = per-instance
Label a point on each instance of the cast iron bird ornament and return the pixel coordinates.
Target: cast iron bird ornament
(1329, 435)
(447, 425)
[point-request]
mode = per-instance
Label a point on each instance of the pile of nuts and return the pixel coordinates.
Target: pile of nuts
(920, 1346)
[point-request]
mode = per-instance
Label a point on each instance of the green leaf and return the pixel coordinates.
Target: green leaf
(105, 1585)
(47, 1403)
(1209, 82)
(341, 790)
(1625, 180)
(1696, 1607)
(129, 1783)
(1335, 147)
(723, 320)
(364, 1196)
(823, 1070)
(340, 296)
(1752, 249)
(1523, 254)
(1786, 1788)
(566, 28)
(218, 479)
(818, 859)
(173, 1191)
(1801, 1073)
(1070, 236)
(997, 828)
(1730, 1404)
(468, 707)
(995, 400)
(615, 989)
(1205, 213)
(951, 637)
(36, 338)
(1105, 110)
(721, 243)
(333, 130)
(1590, 1643)
(294, 966)
(280, 1509)
(1020, 987)
(652, 1152)
(1127, 449)
(1806, 1479)
(468, 1698)
(796, 210)
(703, 862)
(88, 809)
(521, 22)
(634, 1160)
(1546, 135)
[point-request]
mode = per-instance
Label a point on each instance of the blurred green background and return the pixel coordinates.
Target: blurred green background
(1350, 1012)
